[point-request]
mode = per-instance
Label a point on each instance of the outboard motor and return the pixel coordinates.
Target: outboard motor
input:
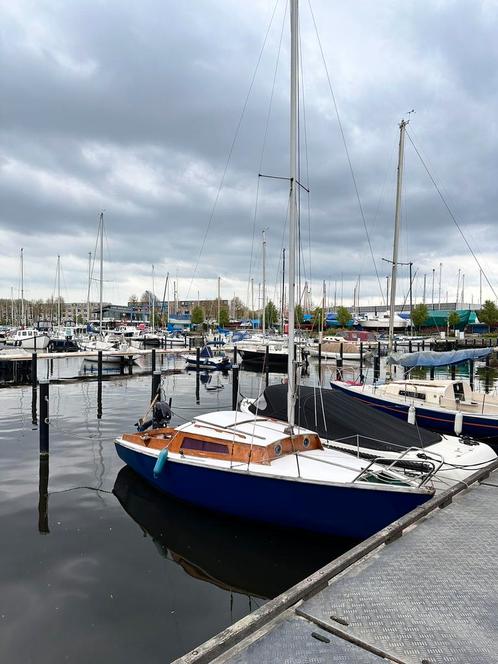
(161, 416)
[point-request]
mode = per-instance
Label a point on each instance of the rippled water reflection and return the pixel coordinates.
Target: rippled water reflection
(95, 565)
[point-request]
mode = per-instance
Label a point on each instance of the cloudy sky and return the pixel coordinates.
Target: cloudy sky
(162, 114)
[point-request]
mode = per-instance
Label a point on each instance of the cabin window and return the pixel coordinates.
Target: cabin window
(306, 442)
(204, 446)
(278, 449)
(458, 390)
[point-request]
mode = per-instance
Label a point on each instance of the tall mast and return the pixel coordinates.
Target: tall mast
(252, 301)
(283, 293)
(101, 290)
(324, 304)
(89, 284)
(12, 319)
(219, 300)
(440, 281)
(264, 281)
(433, 274)
(153, 300)
(423, 296)
(293, 211)
(58, 291)
(397, 219)
(22, 287)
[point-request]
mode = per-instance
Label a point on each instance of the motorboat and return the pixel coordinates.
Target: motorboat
(29, 339)
(207, 360)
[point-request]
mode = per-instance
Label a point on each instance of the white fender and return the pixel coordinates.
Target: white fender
(458, 423)
(412, 415)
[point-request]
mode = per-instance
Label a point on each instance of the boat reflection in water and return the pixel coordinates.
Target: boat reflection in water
(236, 555)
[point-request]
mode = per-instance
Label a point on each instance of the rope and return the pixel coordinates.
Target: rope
(348, 157)
(452, 216)
(230, 152)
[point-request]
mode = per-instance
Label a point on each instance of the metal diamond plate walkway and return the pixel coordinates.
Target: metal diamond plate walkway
(428, 597)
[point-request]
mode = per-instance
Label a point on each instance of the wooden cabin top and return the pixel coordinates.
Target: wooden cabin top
(231, 436)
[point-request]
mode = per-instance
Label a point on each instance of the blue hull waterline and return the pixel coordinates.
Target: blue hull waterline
(435, 420)
(333, 510)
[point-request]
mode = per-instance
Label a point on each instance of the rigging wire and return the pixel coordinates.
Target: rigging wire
(452, 216)
(263, 148)
(230, 152)
(343, 136)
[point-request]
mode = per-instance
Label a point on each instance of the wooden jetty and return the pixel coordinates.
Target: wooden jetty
(14, 357)
(423, 590)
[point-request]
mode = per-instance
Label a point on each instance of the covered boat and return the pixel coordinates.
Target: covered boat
(346, 424)
(447, 406)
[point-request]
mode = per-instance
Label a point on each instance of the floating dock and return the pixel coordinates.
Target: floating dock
(424, 590)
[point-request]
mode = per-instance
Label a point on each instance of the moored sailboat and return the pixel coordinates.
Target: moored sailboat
(277, 472)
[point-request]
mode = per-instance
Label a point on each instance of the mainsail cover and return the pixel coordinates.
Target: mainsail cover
(430, 358)
(337, 416)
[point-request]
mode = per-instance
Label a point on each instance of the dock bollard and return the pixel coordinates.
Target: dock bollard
(43, 495)
(361, 361)
(156, 384)
(153, 360)
(235, 386)
(34, 369)
(44, 411)
(99, 385)
(338, 368)
(376, 367)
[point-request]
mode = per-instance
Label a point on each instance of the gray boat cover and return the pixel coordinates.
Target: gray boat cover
(337, 416)
(432, 358)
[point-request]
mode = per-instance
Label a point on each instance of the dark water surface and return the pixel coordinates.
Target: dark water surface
(104, 568)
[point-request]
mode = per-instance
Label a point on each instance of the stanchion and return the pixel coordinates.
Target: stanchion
(453, 371)
(44, 412)
(234, 356)
(267, 365)
(432, 371)
(471, 374)
(153, 360)
(197, 359)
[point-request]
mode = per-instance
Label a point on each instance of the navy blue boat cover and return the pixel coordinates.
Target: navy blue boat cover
(430, 358)
(334, 415)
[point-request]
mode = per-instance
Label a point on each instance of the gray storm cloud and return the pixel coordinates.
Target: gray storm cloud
(132, 108)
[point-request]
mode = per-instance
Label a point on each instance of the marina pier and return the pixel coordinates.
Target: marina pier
(422, 591)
